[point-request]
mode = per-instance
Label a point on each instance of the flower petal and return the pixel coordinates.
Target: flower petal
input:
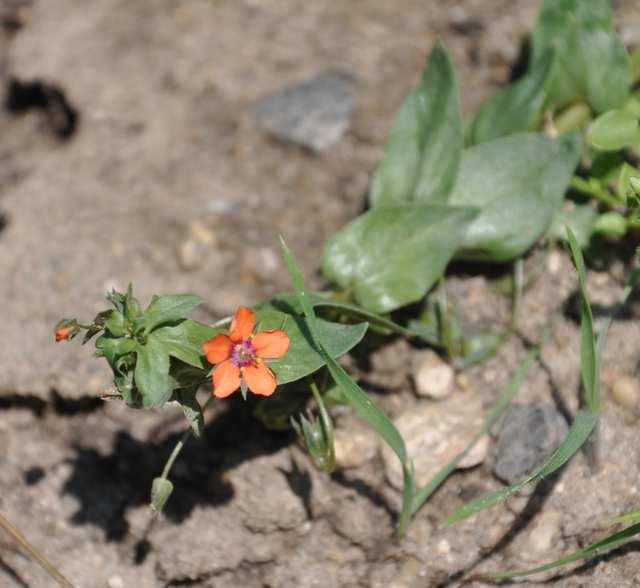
(242, 324)
(218, 348)
(271, 344)
(260, 379)
(226, 379)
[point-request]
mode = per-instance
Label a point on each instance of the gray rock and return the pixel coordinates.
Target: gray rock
(530, 434)
(315, 113)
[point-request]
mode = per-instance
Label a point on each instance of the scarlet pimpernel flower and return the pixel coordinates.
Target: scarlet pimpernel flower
(239, 357)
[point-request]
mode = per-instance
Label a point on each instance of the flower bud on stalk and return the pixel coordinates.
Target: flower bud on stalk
(66, 330)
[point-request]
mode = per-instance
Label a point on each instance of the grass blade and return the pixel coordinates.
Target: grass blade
(493, 415)
(589, 357)
(363, 405)
(626, 518)
(608, 542)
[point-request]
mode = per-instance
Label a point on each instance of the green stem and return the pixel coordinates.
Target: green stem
(180, 444)
(581, 185)
(19, 538)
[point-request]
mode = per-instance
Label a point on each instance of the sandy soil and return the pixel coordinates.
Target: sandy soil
(166, 182)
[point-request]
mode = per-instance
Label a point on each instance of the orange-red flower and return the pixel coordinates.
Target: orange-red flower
(240, 356)
(62, 333)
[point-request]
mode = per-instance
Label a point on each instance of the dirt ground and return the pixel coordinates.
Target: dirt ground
(146, 166)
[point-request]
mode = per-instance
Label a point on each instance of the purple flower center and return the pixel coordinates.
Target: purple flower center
(243, 353)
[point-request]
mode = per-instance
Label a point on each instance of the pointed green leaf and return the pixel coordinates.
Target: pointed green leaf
(424, 146)
(303, 358)
(152, 374)
(518, 183)
(515, 108)
(168, 309)
(391, 256)
(184, 341)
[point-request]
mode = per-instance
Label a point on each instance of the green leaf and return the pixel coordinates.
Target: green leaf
(580, 430)
(591, 62)
(424, 146)
(116, 323)
(152, 374)
(614, 130)
(391, 256)
(303, 358)
(516, 107)
(518, 183)
(590, 550)
(626, 518)
(184, 341)
(168, 309)
(492, 417)
(114, 347)
(358, 399)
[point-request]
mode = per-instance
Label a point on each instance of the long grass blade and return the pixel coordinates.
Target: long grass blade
(363, 405)
(608, 542)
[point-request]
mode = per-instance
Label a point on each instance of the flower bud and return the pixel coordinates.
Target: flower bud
(66, 330)
(316, 436)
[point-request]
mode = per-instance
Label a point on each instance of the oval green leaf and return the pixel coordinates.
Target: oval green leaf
(302, 358)
(391, 256)
(614, 130)
(517, 183)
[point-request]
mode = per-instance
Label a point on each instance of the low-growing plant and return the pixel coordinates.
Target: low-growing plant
(559, 146)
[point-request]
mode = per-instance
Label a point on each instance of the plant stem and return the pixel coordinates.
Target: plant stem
(180, 444)
(19, 538)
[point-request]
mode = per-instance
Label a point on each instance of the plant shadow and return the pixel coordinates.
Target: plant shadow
(107, 486)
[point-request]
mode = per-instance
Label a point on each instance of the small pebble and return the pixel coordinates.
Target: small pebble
(544, 533)
(354, 448)
(433, 377)
(115, 582)
(191, 255)
(626, 393)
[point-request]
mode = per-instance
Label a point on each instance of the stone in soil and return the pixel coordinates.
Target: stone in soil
(432, 377)
(315, 113)
(434, 433)
(530, 434)
(625, 391)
